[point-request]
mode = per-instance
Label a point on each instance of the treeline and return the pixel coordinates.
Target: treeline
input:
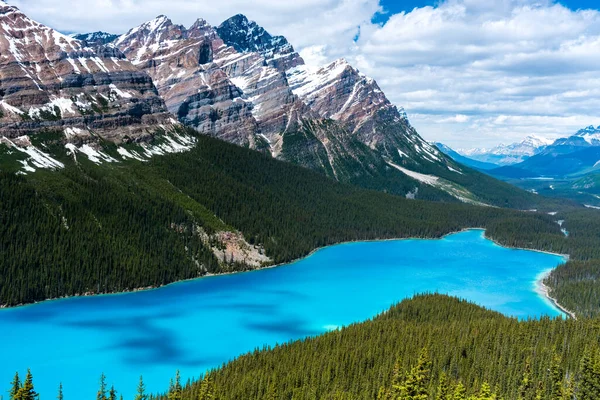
(432, 347)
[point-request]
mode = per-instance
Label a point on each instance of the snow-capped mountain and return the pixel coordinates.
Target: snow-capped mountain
(247, 36)
(52, 81)
(570, 156)
(590, 134)
(239, 83)
(236, 82)
(585, 137)
(508, 154)
(96, 38)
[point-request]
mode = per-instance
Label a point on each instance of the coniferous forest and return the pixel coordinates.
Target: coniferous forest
(431, 347)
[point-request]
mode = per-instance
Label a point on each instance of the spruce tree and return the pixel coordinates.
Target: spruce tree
(15, 386)
(175, 391)
(141, 390)
(589, 377)
(101, 394)
(60, 396)
(27, 391)
(556, 379)
(443, 390)
(460, 392)
(112, 394)
(416, 384)
(527, 387)
(485, 393)
(207, 389)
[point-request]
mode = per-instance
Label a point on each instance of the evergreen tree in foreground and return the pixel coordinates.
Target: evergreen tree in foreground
(141, 390)
(15, 386)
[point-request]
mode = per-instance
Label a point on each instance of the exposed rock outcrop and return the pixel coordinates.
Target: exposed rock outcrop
(52, 81)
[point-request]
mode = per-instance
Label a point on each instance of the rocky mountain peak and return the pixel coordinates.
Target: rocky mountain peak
(247, 36)
(96, 39)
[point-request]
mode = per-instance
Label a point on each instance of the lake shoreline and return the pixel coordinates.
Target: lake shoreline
(543, 289)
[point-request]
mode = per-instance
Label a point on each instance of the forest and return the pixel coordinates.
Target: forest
(431, 347)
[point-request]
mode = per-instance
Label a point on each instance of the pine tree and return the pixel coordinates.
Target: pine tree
(175, 391)
(460, 392)
(397, 381)
(15, 387)
(485, 393)
(141, 390)
(112, 394)
(271, 390)
(28, 391)
(443, 390)
(60, 392)
(527, 388)
(589, 377)
(101, 395)
(556, 379)
(416, 384)
(207, 389)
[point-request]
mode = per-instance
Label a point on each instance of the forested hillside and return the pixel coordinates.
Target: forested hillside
(92, 228)
(432, 347)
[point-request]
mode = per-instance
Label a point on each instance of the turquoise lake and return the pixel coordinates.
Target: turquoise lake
(196, 325)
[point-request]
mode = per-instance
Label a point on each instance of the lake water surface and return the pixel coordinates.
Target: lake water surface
(200, 324)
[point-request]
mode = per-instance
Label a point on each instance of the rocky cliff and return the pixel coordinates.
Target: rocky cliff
(52, 81)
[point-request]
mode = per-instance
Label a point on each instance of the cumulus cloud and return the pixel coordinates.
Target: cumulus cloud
(466, 71)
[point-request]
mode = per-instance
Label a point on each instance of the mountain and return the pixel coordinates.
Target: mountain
(241, 84)
(508, 154)
(52, 83)
(247, 36)
(96, 39)
(480, 165)
(128, 97)
(574, 155)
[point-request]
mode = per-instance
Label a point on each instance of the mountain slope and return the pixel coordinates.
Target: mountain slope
(443, 336)
(215, 208)
(241, 84)
(52, 81)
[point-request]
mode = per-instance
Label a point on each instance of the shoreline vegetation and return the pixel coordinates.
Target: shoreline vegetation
(541, 287)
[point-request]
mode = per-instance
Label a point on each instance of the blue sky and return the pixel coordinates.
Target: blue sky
(396, 6)
(469, 73)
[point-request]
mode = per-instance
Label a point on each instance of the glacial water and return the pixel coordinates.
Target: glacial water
(200, 324)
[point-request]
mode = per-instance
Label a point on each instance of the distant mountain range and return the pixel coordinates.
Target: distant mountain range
(568, 167)
(470, 162)
(508, 154)
(575, 155)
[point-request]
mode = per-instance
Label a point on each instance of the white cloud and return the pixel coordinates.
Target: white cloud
(475, 71)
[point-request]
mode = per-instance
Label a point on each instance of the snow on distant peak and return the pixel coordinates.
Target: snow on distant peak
(529, 146)
(590, 135)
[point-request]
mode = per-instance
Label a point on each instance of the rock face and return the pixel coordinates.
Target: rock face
(52, 81)
(96, 39)
(239, 83)
(246, 36)
(211, 86)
